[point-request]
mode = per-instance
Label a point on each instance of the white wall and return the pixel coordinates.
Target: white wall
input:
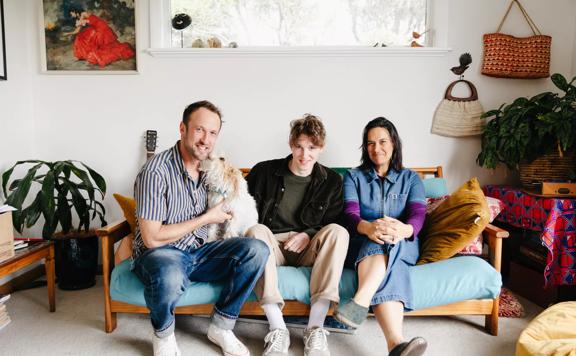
(100, 119)
(17, 134)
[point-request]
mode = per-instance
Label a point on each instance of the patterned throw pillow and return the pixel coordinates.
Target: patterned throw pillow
(475, 247)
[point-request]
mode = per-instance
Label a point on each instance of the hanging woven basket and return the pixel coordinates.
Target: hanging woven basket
(549, 167)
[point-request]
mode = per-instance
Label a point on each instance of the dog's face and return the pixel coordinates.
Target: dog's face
(221, 176)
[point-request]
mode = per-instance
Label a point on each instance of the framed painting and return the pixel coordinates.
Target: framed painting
(88, 36)
(3, 74)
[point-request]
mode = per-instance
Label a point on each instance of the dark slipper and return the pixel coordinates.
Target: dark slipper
(351, 314)
(414, 347)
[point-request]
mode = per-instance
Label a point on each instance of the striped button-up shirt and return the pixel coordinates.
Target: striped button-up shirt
(164, 191)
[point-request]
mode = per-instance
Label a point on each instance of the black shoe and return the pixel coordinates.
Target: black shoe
(414, 347)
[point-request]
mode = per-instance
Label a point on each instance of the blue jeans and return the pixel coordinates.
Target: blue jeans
(166, 272)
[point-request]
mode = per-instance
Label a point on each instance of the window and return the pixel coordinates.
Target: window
(294, 23)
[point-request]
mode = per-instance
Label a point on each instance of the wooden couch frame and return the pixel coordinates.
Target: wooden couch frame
(115, 232)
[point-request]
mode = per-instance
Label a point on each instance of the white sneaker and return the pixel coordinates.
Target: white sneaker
(315, 342)
(226, 339)
(276, 343)
(165, 346)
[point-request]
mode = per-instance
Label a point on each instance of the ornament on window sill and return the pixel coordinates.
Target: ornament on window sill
(214, 42)
(415, 37)
(199, 43)
(180, 22)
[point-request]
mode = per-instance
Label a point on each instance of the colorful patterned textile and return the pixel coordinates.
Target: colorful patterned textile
(554, 217)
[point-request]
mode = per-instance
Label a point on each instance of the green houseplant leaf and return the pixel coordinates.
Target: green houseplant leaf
(530, 127)
(64, 195)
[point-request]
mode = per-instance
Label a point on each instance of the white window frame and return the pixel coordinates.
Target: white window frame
(160, 40)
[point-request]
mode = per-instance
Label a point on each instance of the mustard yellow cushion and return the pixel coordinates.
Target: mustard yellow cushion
(454, 224)
(553, 332)
(128, 206)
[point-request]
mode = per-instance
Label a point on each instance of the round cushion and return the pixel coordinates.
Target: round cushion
(553, 332)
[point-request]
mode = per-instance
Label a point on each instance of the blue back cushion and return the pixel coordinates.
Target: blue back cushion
(433, 187)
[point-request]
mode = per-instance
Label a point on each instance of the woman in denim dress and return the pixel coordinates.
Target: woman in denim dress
(385, 209)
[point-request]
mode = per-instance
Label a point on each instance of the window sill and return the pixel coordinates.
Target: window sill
(298, 52)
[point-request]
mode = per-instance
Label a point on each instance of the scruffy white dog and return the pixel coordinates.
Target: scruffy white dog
(227, 183)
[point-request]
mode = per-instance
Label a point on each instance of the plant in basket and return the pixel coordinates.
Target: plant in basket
(68, 196)
(534, 135)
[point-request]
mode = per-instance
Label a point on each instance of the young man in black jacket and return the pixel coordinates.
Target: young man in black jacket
(298, 202)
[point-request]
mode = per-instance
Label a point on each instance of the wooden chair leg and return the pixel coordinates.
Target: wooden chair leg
(107, 266)
(51, 278)
(491, 321)
(111, 321)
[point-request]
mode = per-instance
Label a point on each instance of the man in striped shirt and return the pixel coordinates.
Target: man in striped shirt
(169, 250)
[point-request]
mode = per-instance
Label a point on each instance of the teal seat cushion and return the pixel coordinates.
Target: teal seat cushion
(438, 283)
(454, 280)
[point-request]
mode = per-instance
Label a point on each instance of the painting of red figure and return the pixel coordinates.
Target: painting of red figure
(89, 35)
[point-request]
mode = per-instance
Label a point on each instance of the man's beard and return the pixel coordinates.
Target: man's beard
(197, 153)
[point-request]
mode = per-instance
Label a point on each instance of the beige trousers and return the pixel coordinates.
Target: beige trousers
(325, 254)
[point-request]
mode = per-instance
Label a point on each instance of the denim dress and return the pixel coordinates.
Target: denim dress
(378, 197)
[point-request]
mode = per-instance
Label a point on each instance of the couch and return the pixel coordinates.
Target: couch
(462, 285)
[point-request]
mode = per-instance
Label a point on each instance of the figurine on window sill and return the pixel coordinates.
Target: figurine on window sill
(416, 36)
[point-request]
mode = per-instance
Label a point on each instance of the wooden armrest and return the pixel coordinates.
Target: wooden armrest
(117, 231)
(109, 235)
(491, 230)
(493, 236)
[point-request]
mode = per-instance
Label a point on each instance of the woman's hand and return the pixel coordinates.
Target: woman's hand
(297, 243)
(385, 230)
(373, 230)
(69, 34)
(394, 230)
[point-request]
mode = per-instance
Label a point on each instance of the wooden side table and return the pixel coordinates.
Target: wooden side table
(36, 251)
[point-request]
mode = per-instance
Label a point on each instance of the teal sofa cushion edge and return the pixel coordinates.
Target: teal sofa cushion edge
(433, 187)
(444, 282)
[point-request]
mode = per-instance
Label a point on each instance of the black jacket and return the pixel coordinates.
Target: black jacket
(322, 203)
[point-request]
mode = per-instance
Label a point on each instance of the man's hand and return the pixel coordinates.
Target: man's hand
(297, 243)
(216, 214)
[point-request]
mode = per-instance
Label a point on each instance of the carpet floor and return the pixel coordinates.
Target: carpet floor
(77, 328)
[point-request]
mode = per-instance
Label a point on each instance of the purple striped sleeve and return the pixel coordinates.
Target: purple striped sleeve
(415, 214)
(352, 214)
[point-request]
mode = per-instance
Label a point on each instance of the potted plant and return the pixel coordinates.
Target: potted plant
(534, 135)
(68, 197)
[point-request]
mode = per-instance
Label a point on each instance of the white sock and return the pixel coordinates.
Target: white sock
(318, 313)
(274, 315)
